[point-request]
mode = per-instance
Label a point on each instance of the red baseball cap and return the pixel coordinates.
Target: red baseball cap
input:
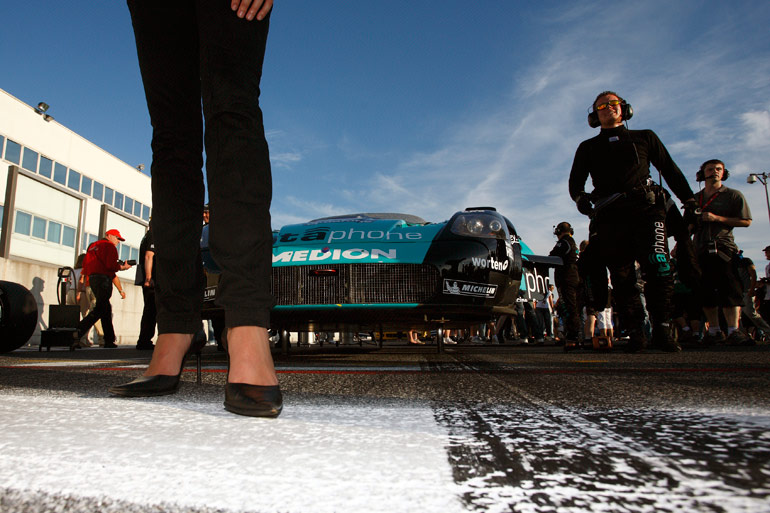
(115, 233)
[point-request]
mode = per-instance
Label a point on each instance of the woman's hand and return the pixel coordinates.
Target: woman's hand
(251, 9)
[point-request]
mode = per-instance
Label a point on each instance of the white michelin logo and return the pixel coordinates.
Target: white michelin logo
(467, 288)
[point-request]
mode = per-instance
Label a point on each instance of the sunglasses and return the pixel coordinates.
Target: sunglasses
(603, 106)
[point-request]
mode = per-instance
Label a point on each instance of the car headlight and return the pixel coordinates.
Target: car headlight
(479, 225)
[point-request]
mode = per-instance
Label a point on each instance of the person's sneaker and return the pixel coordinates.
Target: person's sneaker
(145, 346)
(110, 345)
(711, 339)
(739, 338)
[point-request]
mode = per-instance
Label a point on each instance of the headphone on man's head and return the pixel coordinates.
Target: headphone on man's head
(563, 227)
(626, 111)
(700, 175)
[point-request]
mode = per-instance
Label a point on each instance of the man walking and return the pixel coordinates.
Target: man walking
(100, 265)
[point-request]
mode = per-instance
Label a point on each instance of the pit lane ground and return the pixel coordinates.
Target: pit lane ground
(478, 428)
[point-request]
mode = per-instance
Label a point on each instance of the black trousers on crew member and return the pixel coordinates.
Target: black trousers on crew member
(567, 282)
(149, 317)
(101, 285)
(635, 233)
(194, 52)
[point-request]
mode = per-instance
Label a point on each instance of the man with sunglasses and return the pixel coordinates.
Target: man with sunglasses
(628, 213)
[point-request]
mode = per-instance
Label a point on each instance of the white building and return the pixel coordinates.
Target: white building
(58, 193)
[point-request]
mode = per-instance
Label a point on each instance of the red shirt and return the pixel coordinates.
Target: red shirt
(101, 258)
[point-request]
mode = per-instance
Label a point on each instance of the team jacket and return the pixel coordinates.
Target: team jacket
(618, 160)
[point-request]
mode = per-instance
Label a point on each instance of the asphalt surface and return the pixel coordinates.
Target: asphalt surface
(478, 428)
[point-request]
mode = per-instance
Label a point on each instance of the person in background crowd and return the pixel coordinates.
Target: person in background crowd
(99, 268)
(628, 215)
(747, 273)
(719, 210)
(544, 313)
(567, 281)
(687, 308)
(763, 291)
(145, 278)
(75, 293)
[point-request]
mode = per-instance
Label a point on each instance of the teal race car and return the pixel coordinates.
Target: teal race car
(380, 272)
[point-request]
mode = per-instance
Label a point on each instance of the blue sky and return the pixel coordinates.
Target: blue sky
(428, 107)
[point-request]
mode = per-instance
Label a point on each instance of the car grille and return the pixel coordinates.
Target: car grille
(354, 284)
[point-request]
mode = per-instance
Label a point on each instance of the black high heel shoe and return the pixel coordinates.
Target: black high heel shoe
(162, 384)
(251, 400)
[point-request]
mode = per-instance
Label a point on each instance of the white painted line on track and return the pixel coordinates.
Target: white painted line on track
(341, 457)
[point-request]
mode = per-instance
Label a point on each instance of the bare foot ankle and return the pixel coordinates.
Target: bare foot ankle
(250, 358)
(168, 354)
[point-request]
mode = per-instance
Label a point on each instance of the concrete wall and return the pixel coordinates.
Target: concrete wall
(42, 280)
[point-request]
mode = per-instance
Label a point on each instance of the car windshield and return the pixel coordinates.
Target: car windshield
(407, 218)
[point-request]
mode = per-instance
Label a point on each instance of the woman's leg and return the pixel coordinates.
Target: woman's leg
(167, 47)
(240, 185)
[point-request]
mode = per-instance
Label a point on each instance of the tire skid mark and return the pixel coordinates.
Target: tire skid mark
(539, 456)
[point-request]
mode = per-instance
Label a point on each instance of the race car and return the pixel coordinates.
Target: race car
(375, 272)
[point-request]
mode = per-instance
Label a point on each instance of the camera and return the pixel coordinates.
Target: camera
(129, 262)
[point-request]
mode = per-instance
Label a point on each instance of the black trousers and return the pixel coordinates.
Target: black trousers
(622, 241)
(101, 285)
(193, 53)
(567, 282)
(149, 317)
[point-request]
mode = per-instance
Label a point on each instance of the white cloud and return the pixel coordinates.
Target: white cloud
(757, 125)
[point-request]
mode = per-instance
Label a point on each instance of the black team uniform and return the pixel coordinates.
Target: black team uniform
(629, 222)
(567, 282)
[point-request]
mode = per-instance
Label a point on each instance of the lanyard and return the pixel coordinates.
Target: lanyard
(712, 198)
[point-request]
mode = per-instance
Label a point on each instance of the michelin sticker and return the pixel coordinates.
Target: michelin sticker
(467, 288)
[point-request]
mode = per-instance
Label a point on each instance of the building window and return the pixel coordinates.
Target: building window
(119, 200)
(108, 195)
(2, 143)
(134, 253)
(137, 209)
(29, 162)
(12, 151)
(85, 186)
(54, 232)
(145, 212)
(98, 191)
(38, 227)
(74, 180)
(125, 252)
(68, 236)
(23, 223)
(128, 207)
(46, 167)
(60, 174)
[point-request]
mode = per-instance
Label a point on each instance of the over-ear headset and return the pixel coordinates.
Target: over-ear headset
(626, 111)
(700, 175)
(563, 227)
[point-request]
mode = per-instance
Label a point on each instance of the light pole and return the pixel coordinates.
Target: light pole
(762, 177)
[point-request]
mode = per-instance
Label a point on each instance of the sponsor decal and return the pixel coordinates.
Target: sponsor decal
(490, 263)
(209, 293)
(659, 257)
(335, 255)
(327, 235)
(534, 284)
(468, 288)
